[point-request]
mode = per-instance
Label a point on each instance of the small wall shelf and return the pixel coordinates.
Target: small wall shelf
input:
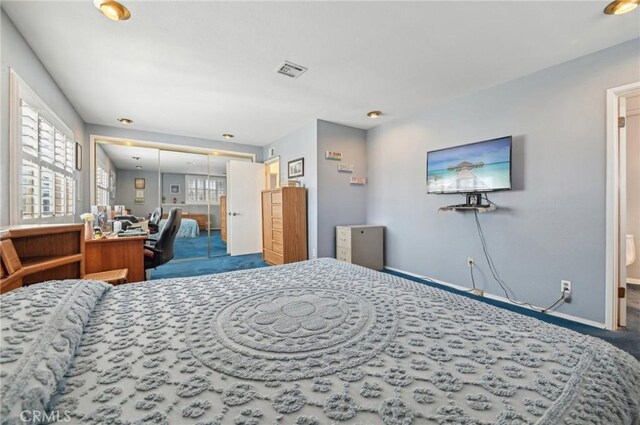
(480, 209)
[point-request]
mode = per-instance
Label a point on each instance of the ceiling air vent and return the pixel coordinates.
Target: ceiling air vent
(290, 69)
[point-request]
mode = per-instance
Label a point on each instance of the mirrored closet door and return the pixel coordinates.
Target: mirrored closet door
(185, 185)
(126, 182)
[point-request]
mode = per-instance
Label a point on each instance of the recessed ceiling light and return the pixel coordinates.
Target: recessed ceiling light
(374, 114)
(125, 121)
(620, 7)
(228, 136)
(113, 10)
(139, 167)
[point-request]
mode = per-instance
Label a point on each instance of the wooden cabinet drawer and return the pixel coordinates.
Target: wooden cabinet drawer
(343, 238)
(277, 247)
(276, 198)
(276, 211)
(276, 235)
(276, 224)
(343, 254)
(272, 257)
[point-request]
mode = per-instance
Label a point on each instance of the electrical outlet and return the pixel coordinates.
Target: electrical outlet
(565, 286)
(470, 262)
(313, 253)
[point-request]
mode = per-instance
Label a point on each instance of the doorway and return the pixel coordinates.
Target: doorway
(622, 308)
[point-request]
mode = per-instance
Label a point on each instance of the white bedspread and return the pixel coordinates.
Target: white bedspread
(322, 342)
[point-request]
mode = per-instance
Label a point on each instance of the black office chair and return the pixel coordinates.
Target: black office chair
(154, 220)
(162, 250)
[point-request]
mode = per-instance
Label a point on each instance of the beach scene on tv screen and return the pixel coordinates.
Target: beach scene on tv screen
(470, 168)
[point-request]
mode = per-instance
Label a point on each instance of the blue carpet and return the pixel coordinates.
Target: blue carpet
(202, 266)
(197, 247)
(626, 339)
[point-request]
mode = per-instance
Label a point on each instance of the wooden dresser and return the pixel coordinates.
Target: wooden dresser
(284, 225)
(36, 253)
(223, 218)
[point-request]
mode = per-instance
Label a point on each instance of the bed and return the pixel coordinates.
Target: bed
(188, 228)
(316, 342)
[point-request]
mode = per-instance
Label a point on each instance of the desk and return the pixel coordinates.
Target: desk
(112, 252)
(42, 252)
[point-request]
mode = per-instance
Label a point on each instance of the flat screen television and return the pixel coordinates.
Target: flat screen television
(476, 167)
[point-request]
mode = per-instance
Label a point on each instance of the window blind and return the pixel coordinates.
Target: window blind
(201, 189)
(46, 167)
(102, 185)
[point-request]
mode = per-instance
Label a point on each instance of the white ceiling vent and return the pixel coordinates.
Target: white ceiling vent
(290, 69)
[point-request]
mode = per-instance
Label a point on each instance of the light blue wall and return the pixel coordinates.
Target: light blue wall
(16, 54)
(339, 202)
(126, 192)
(302, 143)
(551, 226)
(331, 199)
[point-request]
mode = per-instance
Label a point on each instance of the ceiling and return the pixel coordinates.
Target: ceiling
(206, 68)
(170, 162)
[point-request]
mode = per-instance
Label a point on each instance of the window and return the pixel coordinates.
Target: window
(46, 164)
(43, 176)
(199, 187)
(102, 185)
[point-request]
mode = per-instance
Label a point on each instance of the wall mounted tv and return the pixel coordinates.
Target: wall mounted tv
(476, 167)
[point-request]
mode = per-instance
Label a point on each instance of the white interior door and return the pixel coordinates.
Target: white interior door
(245, 181)
(622, 242)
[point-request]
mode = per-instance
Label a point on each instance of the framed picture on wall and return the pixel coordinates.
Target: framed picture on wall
(139, 183)
(174, 189)
(296, 168)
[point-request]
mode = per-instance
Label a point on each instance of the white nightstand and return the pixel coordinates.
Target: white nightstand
(362, 245)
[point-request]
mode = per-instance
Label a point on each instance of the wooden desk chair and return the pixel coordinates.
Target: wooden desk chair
(114, 277)
(11, 264)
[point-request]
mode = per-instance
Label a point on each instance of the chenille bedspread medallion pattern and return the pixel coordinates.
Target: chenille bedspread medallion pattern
(324, 342)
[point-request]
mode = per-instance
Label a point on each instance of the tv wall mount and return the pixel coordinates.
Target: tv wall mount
(474, 203)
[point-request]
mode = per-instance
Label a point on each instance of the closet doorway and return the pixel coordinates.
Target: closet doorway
(146, 176)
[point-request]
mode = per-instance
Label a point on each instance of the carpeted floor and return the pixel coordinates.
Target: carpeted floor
(188, 258)
(197, 247)
(626, 339)
(633, 310)
(202, 266)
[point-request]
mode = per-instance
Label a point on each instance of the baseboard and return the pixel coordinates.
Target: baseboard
(633, 281)
(503, 299)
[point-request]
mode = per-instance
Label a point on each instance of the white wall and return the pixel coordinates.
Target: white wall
(551, 226)
(16, 54)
